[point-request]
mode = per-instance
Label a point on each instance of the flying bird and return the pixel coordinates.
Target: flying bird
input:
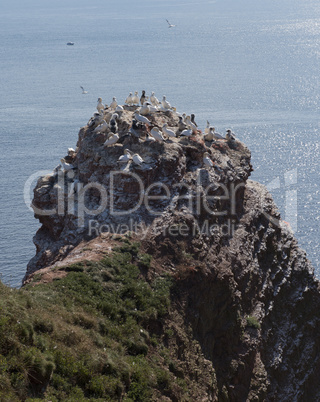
(170, 25)
(83, 90)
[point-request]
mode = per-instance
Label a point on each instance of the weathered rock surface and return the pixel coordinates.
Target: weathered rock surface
(246, 290)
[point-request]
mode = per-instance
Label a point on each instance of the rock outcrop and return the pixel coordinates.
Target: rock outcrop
(246, 290)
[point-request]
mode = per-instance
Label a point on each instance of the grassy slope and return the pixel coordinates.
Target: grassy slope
(96, 334)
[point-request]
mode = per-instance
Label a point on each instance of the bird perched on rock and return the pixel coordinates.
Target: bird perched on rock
(114, 103)
(157, 134)
(190, 124)
(126, 157)
(210, 135)
(119, 109)
(165, 104)
(154, 100)
(113, 123)
(128, 101)
(181, 125)
(100, 105)
(192, 120)
(142, 119)
(145, 109)
(143, 97)
(167, 132)
(135, 98)
(66, 166)
(71, 152)
(230, 136)
(95, 119)
(187, 132)
(113, 138)
(102, 127)
(206, 160)
(149, 138)
(136, 158)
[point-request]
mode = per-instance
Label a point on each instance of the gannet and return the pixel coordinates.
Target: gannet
(154, 100)
(113, 138)
(135, 98)
(149, 138)
(71, 152)
(143, 97)
(190, 124)
(128, 101)
(102, 127)
(144, 109)
(136, 158)
(206, 130)
(66, 166)
(100, 105)
(206, 160)
(187, 133)
(119, 108)
(192, 120)
(168, 132)
(83, 91)
(217, 136)
(114, 103)
(126, 157)
(157, 134)
(165, 104)
(181, 124)
(143, 119)
(210, 135)
(170, 25)
(230, 136)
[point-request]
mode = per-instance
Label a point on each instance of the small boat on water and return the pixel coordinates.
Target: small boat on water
(70, 43)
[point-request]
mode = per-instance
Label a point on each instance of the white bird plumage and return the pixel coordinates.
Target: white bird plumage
(157, 134)
(83, 90)
(114, 103)
(66, 166)
(128, 101)
(230, 136)
(136, 158)
(168, 132)
(135, 98)
(112, 139)
(170, 25)
(142, 119)
(190, 124)
(102, 127)
(206, 160)
(206, 130)
(187, 132)
(100, 105)
(165, 104)
(154, 100)
(126, 157)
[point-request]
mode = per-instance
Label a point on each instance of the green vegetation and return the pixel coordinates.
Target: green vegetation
(92, 335)
(253, 322)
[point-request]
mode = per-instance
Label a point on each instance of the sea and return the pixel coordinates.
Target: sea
(248, 65)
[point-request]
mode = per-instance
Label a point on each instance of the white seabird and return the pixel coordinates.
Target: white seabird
(71, 152)
(113, 138)
(126, 157)
(149, 138)
(154, 100)
(114, 103)
(170, 25)
(210, 136)
(100, 105)
(157, 134)
(168, 132)
(128, 101)
(66, 166)
(83, 90)
(142, 119)
(144, 109)
(102, 127)
(187, 133)
(190, 124)
(206, 160)
(119, 108)
(135, 98)
(136, 158)
(165, 104)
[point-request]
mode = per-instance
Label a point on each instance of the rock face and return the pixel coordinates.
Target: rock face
(245, 288)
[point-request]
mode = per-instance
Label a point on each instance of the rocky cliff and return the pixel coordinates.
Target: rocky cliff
(244, 290)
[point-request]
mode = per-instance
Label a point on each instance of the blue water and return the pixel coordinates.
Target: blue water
(252, 66)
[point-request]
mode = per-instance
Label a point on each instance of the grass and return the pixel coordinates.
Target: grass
(253, 322)
(88, 335)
